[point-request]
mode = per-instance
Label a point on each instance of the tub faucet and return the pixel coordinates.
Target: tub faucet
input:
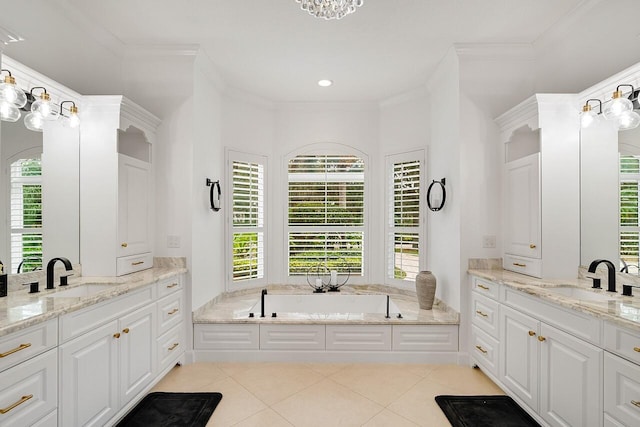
(51, 264)
(611, 273)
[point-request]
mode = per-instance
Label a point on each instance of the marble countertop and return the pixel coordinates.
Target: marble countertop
(618, 309)
(234, 307)
(21, 309)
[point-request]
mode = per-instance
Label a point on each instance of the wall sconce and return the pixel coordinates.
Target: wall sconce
(214, 194)
(73, 121)
(588, 115)
(41, 110)
(618, 104)
(12, 98)
(436, 204)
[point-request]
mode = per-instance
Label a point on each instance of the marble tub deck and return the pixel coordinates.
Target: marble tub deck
(234, 307)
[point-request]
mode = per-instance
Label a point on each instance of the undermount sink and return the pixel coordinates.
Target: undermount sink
(81, 290)
(582, 294)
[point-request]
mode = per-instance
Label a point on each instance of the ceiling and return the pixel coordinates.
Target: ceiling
(274, 50)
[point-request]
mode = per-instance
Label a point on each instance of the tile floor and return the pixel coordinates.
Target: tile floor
(316, 394)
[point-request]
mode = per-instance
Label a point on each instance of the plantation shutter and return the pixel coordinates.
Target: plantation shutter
(403, 239)
(248, 217)
(325, 213)
(25, 214)
(629, 226)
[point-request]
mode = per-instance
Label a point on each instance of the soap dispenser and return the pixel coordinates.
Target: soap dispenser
(3, 281)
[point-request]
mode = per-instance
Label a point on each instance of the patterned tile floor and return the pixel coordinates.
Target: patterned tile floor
(316, 394)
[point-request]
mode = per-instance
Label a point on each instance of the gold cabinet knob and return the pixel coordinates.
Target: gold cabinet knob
(532, 334)
(481, 349)
(173, 285)
(481, 313)
(124, 245)
(517, 264)
(22, 347)
(16, 404)
(174, 311)
(125, 330)
(636, 349)
(116, 335)
(483, 287)
(532, 246)
(541, 338)
(175, 344)
(635, 403)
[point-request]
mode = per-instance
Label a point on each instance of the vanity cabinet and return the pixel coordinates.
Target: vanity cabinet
(541, 186)
(116, 186)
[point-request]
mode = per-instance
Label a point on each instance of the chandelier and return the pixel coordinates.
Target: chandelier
(330, 9)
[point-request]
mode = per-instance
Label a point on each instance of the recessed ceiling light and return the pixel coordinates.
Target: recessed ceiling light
(325, 82)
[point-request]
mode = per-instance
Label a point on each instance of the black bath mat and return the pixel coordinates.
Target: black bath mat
(172, 410)
(484, 411)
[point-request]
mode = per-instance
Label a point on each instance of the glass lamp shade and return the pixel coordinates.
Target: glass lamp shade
(34, 122)
(617, 106)
(588, 116)
(628, 120)
(43, 107)
(9, 112)
(10, 92)
(73, 121)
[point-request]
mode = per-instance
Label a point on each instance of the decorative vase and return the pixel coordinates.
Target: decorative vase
(425, 289)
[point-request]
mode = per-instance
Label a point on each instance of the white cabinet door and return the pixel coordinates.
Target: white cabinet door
(133, 206)
(519, 363)
(570, 380)
(137, 352)
(522, 205)
(89, 377)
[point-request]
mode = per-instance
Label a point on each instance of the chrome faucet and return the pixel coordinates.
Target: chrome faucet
(50, 265)
(611, 274)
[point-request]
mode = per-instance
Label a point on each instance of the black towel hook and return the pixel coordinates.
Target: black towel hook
(214, 194)
(444, 195)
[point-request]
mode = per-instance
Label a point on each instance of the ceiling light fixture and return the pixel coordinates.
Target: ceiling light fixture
(330, 9)
(325, 82)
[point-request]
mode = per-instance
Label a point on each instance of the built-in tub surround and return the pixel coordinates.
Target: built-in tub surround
(234, 307)
(613, 307)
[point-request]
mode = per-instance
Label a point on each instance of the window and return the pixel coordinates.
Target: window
(247, 217)
(405, 208)
(26, 214)
(629, 226)
(326, 218)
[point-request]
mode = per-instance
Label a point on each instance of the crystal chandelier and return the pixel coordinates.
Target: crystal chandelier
(330, 9)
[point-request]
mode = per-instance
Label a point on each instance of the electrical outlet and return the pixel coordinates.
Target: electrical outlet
(173, 241)
(488, 241)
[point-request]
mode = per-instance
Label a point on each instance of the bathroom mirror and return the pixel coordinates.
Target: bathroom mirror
(610, 174)
(39, 190)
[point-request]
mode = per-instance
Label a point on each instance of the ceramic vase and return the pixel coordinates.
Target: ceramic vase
(425, 289)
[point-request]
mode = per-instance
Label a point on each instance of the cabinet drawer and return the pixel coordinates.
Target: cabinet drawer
(622, 390)
(486, 288)
(485, 314)
(169, 286)
(523, 265)
(22, 345)
(425, 337)
(170, 312)
(29, 391)
(292, 337)
(358, 337)
(133, 263)
(170, 346)
(624, 342)
(87, 319)
(485, 350)
(226, 336)
(50, 420)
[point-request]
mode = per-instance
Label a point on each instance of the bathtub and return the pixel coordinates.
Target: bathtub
(325, 306)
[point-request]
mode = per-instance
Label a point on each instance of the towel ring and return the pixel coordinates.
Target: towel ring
(214, 194)
(444, 195)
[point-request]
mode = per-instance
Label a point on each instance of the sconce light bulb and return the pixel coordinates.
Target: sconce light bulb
(11, 93)
(628, 120)
(74, 120)
(588, 116)
(8, 112)
(43, 107)
(617, 106)
(34, 122)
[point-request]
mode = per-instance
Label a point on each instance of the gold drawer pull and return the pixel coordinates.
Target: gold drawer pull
(532, 246)
(483, 287)
(481, 349)
(517, 264)
(174, 311)
(125, 330)
(137, 263)
(541, 338)
(116, 335)
(175, 344)
(481, 313)
(635, 403)
(124, 245)
(173, 285)
(22, 347)
(18, 403)
(532, 334)
(636, 349)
